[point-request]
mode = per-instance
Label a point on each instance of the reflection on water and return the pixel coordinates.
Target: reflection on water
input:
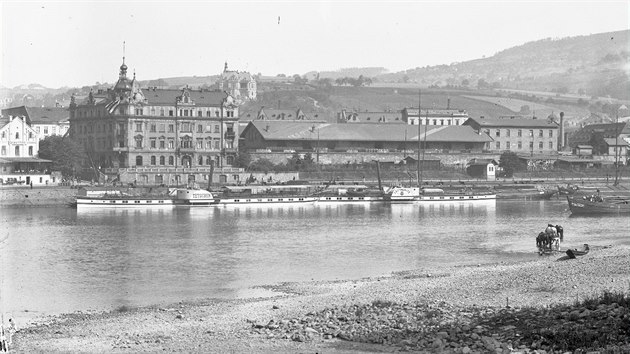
(57, 260)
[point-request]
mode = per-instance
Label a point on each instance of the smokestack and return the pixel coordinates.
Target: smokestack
(561, 146)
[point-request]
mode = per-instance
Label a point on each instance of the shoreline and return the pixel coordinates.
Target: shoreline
(267, 324)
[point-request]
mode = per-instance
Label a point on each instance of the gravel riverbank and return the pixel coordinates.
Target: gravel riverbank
(522, 307)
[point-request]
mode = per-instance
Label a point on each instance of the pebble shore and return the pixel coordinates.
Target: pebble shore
(525, 307)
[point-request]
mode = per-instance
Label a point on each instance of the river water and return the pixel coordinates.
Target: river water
(56, 260)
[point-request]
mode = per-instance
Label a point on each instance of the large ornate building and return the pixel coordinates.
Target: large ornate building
(155, 136)
(240, 85)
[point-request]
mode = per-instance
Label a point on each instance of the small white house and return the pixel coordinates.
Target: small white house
(483, 168)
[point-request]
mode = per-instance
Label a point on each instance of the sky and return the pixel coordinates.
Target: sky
(77, 43)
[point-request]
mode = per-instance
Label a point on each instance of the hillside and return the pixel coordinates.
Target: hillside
(595, 65)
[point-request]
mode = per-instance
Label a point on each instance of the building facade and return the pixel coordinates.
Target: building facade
(434, 116)
(240, 85)
(19, 148)
(46, 121)
(519, 135)
(158, 136)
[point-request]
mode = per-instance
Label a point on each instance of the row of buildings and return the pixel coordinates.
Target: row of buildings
(165, 136)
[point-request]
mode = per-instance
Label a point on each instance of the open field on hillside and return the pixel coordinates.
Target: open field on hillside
(541, 110)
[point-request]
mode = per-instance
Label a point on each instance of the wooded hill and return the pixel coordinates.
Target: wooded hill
(595, 65)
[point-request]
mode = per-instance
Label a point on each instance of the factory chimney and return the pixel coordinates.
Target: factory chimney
(561, 145)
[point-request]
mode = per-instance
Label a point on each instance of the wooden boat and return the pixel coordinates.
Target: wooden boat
(597, 205)
(176, 197)
(572, 253)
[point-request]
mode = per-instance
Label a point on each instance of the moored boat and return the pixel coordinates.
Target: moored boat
(180, 196)
(596, 205)
(414, 194)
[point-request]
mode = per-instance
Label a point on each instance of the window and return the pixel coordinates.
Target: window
(162, 112)
(199, 144)
(200, 160)
(199, 128)
(497, 133)
(217, 144)
(217, 129)
(519, 133)
(171, 160)
(199, 113)
(456, 121)
(520, 145)
(435, 122)
(531, 132)
(507, 145)
(138, 127)
(153, 144)
(208, 113)
(30, 151)
(208, 144)
(498, 145)
(171, 128)
(208, 160)
(162, 160)
(229, 114)
(216, 113)
(17, 151)
(138, 143)
(540, 133)
(170, 112)
(171, 144)
(153, 160)
(551, 145)
(161, 128)
(550, 133)
(153, 128)
(30, 135)
(507, 132)
(138, 160)
(540, 145)
(17, 135)
(162, 144)
(185, 127)
(138, 111)
(4, 150)
(45, 130)
(531, 145)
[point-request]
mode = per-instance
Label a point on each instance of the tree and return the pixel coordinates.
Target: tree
(243, 159)
(65, 153)
(598, 143)
(482, 84)
(510, 163)
(465, 82)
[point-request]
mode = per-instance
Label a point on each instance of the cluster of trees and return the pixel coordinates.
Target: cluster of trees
(510, 163)
(356, 82)
(297, 162)
(66, 154)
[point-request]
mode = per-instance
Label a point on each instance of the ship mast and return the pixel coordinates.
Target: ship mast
(418, 164)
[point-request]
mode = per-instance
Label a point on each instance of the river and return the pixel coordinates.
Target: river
(56, 260)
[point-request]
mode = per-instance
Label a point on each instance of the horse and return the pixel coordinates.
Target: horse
(553, 241)
(542, 241)
(560, 232)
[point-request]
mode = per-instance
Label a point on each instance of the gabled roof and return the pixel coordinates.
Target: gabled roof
(512, 123)
(615, 142)
(39, 115)
(297, 130)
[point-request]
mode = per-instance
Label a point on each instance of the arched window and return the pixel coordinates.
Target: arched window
(138, 160)
(200, 160)
(153, 160)
(17, 151)
(162, 160)
(171, 160)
